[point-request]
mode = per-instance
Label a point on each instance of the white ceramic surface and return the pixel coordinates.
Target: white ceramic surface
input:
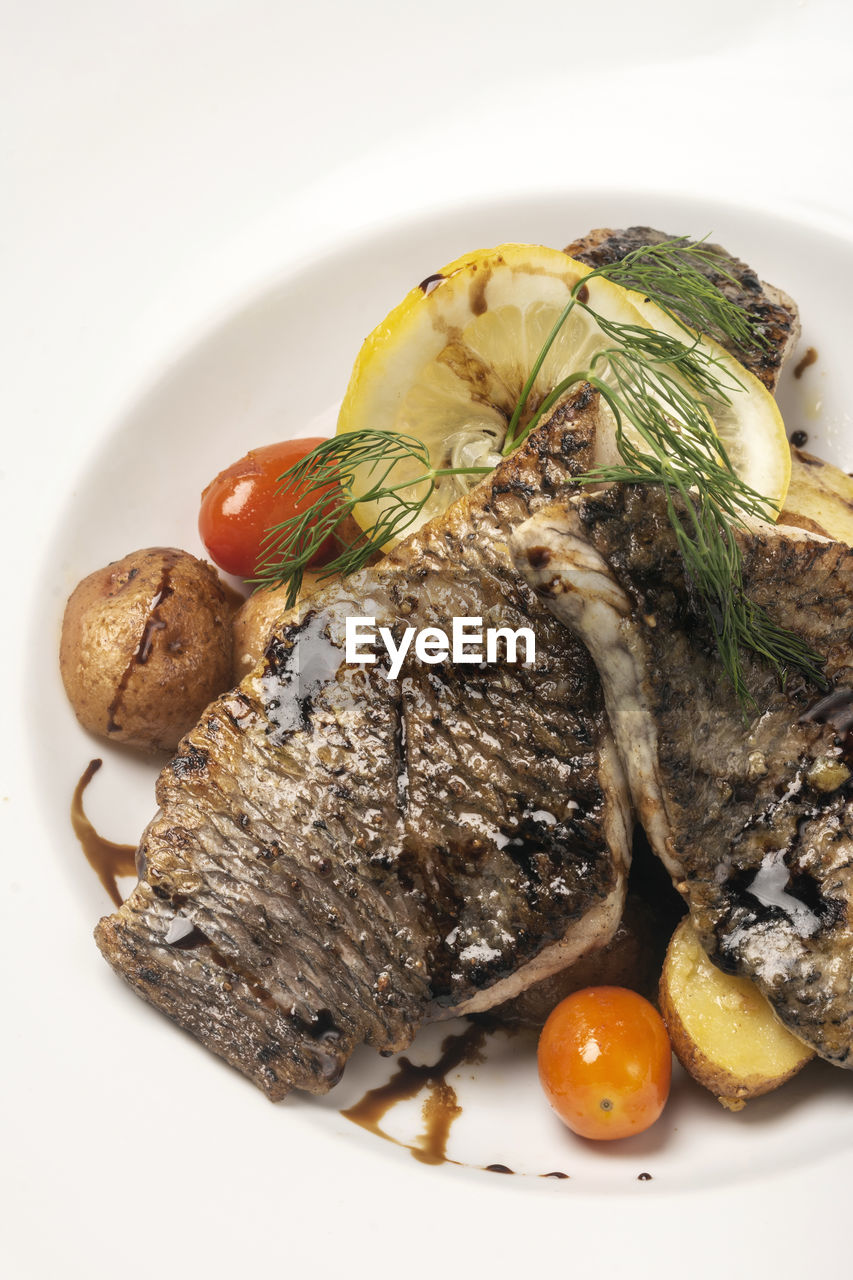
(276, 368)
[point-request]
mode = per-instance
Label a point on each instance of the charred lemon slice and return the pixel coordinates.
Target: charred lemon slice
(448, 365)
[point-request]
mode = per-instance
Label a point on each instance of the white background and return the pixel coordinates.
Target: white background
(159, 160)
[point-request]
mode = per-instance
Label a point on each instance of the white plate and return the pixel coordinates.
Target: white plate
(276, 368)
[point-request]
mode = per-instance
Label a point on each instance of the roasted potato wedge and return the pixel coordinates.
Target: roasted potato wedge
(820, 498)
(723, 1031)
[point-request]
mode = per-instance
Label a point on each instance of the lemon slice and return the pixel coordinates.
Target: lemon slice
(448, 365)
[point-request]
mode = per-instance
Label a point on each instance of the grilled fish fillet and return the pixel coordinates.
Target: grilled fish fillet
(339, 857)
(754, 823)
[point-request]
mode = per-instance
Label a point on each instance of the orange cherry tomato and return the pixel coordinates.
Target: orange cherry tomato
(605, 1062)
(240, 505)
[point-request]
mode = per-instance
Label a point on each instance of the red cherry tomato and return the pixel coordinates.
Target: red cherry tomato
(240, 505)
(605, 1062)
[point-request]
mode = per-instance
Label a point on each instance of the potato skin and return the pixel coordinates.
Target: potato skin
(820, 498)
(723, 1032)
(146, 645)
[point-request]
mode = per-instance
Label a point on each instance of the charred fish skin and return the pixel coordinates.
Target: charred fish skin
(755, 823)
(774, 313)
(339, 857)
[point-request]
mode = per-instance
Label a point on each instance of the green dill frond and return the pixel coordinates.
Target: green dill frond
(672, 276)
(706, 503)
(329, 471)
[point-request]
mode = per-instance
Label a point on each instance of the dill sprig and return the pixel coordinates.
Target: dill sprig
(671, 275)
(667, 389)
(329, 472)
(706, 503)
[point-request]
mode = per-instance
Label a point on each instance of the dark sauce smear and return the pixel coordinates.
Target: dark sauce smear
(835, 709)
(803, 364)
(441, 1106)
(143, 651)
(431, 282)
(108, 860)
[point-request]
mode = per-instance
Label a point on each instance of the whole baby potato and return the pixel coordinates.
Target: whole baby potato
(146, 645)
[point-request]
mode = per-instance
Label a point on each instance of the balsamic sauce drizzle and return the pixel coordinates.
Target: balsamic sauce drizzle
(835, 709)
(154, 623)
(441, 1106)
(106, 858)
(804, 362)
